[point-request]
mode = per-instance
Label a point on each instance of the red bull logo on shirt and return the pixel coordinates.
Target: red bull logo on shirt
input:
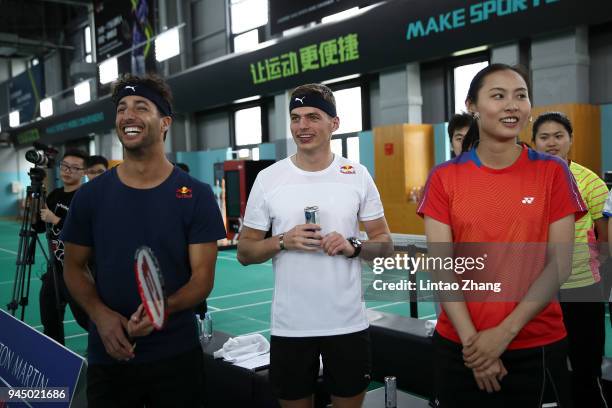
(347, 169)
(183, 192)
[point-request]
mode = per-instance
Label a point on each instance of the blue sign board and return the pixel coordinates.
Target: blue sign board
(31, 360)
(25, 93)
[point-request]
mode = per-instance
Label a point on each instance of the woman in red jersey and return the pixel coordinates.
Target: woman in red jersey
(501, 354)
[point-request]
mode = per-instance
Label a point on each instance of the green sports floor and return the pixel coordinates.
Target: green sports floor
(239, 303)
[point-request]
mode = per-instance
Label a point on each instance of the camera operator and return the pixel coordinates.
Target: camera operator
(53, 298)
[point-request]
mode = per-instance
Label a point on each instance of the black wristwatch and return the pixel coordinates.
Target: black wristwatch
(355, 243)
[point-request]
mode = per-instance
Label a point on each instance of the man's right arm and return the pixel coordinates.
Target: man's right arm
(254, 248)
(110, 324)
(78, 280)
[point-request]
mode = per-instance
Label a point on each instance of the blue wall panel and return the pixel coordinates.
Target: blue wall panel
(366, 151)
(8, 200)
(201, 163)
(442, 146)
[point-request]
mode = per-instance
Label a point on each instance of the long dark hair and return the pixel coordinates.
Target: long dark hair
(473, 135)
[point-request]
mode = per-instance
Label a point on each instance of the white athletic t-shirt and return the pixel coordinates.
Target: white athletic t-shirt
(315, 294)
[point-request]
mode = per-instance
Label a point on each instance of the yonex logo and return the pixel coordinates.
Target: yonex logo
(300, 99)
(133, 88)
(528, 200)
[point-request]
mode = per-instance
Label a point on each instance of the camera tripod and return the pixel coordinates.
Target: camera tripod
(31, 226)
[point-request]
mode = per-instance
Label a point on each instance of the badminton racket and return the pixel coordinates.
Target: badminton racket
(151, 286)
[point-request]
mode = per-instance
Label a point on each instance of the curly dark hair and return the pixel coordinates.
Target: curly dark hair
(152, 81)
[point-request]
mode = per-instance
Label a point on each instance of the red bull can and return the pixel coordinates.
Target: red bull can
(390, 392)
(311, 214)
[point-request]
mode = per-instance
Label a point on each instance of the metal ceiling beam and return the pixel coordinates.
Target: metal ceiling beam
(13, 39)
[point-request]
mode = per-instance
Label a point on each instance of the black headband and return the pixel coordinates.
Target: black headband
(142, 90)
(314, 100)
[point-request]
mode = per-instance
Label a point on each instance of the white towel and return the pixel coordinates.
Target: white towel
(430, 327)
(242, 348)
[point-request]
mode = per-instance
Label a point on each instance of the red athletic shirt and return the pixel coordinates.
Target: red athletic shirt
(511, 205)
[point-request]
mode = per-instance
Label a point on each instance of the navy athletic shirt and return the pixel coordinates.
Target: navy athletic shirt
(114, 220)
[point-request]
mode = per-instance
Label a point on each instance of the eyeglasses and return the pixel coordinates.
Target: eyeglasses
(95, 172)
(69, 169)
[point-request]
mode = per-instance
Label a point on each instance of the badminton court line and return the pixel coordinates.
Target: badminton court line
(74, 336)
(256, 332)
(8, 251)
(227, 258)
(239, 294)
(242, 306)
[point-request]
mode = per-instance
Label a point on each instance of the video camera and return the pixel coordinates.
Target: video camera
(42, 155)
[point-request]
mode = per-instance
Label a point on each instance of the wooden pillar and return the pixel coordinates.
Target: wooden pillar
(586, 121)
(403, 157)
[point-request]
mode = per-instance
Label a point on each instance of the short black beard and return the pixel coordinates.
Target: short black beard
(139, 150)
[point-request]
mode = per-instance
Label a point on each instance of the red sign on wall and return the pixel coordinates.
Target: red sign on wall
(388, 149)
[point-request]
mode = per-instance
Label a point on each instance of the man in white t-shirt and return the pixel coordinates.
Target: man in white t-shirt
(318, 309)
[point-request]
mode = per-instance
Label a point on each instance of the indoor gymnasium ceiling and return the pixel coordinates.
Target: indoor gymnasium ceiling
(30, 28)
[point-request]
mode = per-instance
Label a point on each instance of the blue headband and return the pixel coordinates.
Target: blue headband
(314, 100)
(142, 90)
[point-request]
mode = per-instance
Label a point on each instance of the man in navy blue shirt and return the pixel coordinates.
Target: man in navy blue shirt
(143, 201)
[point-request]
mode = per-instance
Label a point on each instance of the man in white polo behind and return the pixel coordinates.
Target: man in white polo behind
(318, 309)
